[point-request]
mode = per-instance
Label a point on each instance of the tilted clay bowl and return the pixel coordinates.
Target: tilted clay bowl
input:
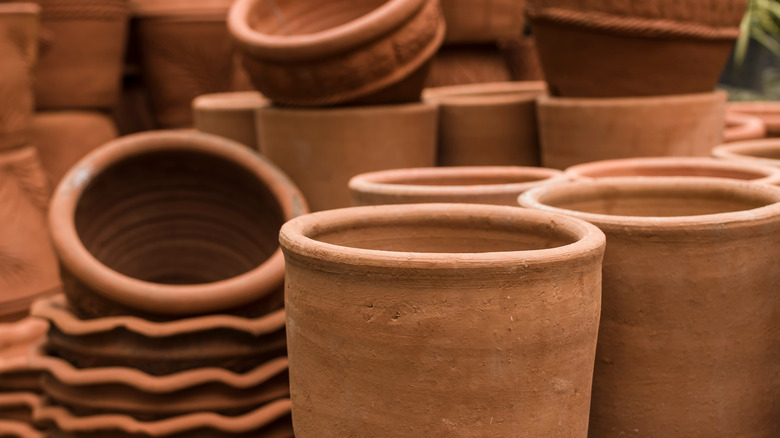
(741, 127)
(764, 152)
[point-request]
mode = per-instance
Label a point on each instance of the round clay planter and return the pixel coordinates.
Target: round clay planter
(491, 124)
(168, 224)
(628, 49)
(575, 131)
(18, 50)
(226, 341)
(82, 55)
(768, 112)
(759, 152)
(674, 166)
(230, 115)
(17, 407)
(475, 185)
(433, 319)
(64, 137)
(468, 64)
(688, 326)
(475, 21)
(741, 127)
(321, 149)
(315, 54)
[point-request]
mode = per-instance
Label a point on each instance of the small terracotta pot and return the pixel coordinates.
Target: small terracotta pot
(315, 54)
(321, 149)
(82, 55)
(768, 112)
(759, 152)
(385, 330)
(627, 49)
(491, 124)
(741, 127)
(673, 166)
(574, 131)
(64, 137)
(688, 325)
(226, 341)
(18, 50)
(201, 237)
(16, 410)
(230, 115)
(477, 185)
(475, 21)
(468, 64)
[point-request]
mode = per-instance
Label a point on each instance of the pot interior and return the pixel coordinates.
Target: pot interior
(178, 217)
(673, 169)
(772, 153)
(293, 17)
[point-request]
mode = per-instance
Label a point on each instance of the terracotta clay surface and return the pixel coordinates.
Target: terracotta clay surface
(688, 339)
(17, 338)
(230, 115)
(674, 166)
(314, 54)
(764, 152)
(741, 127)
(768, 112)
(321, 149)
(18, 50)
(478, 185)
(475, 21)
(468, 64)
(523, 58)
(214, 207)
(441, 320)
(628, 48)
(64, 137)
(574, 131)
(16, 410)
(492, 124)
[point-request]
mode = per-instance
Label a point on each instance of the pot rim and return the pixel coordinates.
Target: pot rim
(297, 238)
(732, 219)
(487, 92)
(230, 101)
(740, 151)
(629, 102)
(350, 111)
(320, 44)
(155, 297)
(742, 126)
(21, 398)
(19, 429)
(26, 331)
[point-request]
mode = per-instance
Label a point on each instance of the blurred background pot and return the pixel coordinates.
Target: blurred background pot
(768, 112)
(764, 152)
(740, 127)
(18, 51)
(230, 115)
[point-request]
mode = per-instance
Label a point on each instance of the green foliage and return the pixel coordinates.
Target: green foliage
(761, 23)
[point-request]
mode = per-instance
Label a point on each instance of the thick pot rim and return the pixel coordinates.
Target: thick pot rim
(740, 151)
(165, 298)
(630, 102)
(485, 92)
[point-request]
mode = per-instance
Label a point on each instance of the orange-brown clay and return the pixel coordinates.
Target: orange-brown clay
(18, 51)
(768, 112)
(468, 64)
(741, 127)
(482, 21)
(231, 115)
(764, 152)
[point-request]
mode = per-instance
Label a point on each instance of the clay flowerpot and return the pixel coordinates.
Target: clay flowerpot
(688, 325)
(490, 124)
(396, 315)
(324, 53)
(741, 127)
(475, 21)
(82, 55)
(18, 48)
(64, 137)
(574, 131)
(759, 152)
(674, 166)
(468, 64)
(230, 115)
(321, 149)
(16, 415)
(477, 185)
(226, 341)
(172, 223)
(185, 51)
(768, 112)
(606, 48)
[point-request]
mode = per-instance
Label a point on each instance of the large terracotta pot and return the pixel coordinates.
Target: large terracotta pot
(324, 53)
(574, 131)
(468, 64)
(441, 320)
(688, 341)
(478, 185)
(741, 127)
(321, 149)
(634, 48)
(18, 50)
(768, 112)
(759, 152)
(482, 21)
(172, 223)
(492, 124)
(230, 115)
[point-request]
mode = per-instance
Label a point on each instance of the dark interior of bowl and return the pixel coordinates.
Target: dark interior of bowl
(293, 17)
(179, 217)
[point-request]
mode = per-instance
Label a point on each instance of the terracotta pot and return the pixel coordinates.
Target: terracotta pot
(314, 54)
(230, 115)
(225, 341)
(768, 112)
(474, 64)
(185, 51)
(82, 55)
(18, 48)
(741, 127)
(476, 185)
(321, 149)
(28, 267)
(523, 58)
(624, 48)
(475, 21)
(16, 410)
(688, 325)
(574, 131)
(386, 332)
(759, 152)
(224, 203)
(64, 137)
(491, 124)
(673, 166)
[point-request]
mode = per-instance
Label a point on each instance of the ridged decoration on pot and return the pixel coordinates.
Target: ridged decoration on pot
(478, 185)
(441, 320)
(168, 224)
(741, 127)
(16, 410)
(768, 112)
(491, 124)
(230, 115)
(634, 48)
(19, 381)
(481, 21)
(764, 152)
(574, 131)
(347, 51)
(689, 341)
